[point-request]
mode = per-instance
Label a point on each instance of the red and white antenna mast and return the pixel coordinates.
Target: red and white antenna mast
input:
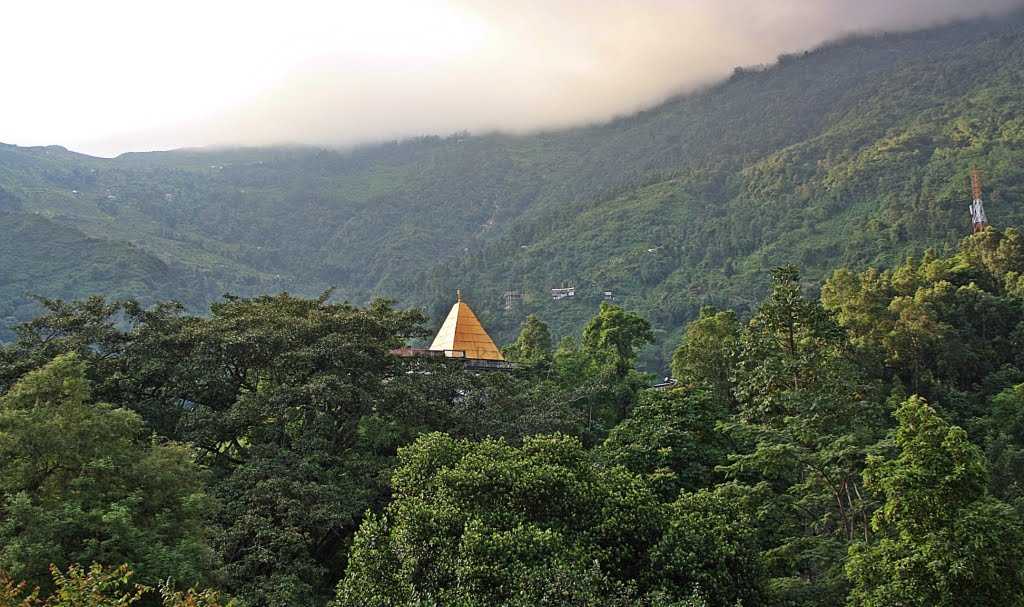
(978, 220)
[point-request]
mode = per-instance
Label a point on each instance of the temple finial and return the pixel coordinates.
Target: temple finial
(458, 295)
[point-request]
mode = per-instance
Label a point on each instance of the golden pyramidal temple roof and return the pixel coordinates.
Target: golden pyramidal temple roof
(462, 335)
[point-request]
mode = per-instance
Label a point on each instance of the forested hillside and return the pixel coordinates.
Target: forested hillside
(853, 153)
(43, 256)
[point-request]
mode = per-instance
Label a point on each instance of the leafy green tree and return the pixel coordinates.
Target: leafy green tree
(297, 407)
(1004, 446)
(476, 521)
(942, 539)
(491, 524)
(709, 541)
(671, 438)
(283, 391)
(533, 345)
(135, 358)
(606, 359)
(83, 482)
(707, 355)
(100, 586)
(948, 328)
(618, 335)
(860, 303)
(87, 328)
(999, 254)
(509, 406)
(807, 418)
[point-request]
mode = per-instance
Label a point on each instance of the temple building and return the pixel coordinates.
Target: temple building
(462, 337)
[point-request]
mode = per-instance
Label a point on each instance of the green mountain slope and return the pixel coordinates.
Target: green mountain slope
(883, 176)
(852, 153)
(44, 258)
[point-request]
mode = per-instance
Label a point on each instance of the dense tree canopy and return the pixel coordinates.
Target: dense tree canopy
(944, 541)
(82, 481)
(533, 345)
(846, 429)
(707, 354)
(274, 452)
(672, 438)
(490, 524)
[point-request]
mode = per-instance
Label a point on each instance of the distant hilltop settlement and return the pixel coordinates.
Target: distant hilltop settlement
(462, 337)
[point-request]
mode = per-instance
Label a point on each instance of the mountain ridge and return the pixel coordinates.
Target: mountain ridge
(771, 165)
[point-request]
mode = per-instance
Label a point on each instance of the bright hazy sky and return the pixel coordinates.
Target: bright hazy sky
(108, 76)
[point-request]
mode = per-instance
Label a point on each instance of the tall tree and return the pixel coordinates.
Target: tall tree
(618, 335)
(808, 417)
(707, 355)
(88, 328)
(670, 437)
(533, 345)
(941, 326)
(82, 482)
(492, 524)
(943, 540)
(1004, 446)
(610, 344)
(279, 390)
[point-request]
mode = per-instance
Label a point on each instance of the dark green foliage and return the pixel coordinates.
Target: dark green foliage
(297, 407)
(707, 355)
(1005, 446)
(490, 524)
(943, 540)
(792, 354)
(709, 542)
(671, 438)
(86, 328)
(807, 417)
(586, 386)
(533, 346)
(617, 336)
(278, 390)
(511, 406)
(83, 482)
(746, 484)
(611, 342)
(948, 328)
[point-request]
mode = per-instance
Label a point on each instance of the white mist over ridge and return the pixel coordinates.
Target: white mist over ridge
(118, 76)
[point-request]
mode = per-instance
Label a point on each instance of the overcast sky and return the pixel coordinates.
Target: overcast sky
(104, 77)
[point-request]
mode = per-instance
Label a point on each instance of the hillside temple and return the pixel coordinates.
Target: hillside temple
(462, 337)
